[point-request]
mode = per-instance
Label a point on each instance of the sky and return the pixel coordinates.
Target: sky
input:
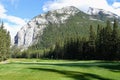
(16, 13)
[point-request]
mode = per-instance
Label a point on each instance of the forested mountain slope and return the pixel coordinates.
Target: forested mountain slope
(45, 29)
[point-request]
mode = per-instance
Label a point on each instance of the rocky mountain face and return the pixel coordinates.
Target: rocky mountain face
(28, 33)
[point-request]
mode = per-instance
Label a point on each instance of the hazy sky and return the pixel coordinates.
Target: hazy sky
(15, 13)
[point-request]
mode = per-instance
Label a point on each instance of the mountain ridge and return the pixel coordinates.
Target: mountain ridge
(26, 36)
(28, 33)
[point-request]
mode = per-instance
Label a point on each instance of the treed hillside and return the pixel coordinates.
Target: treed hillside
(42, 30)
(100, 42)
(75, 25)
(5, 42)
(71, 37)
(104, 45)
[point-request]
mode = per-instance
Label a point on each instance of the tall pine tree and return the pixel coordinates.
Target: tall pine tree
(4, 43)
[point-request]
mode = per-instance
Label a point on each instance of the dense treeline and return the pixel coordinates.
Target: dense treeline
(75, 25)
(29, 53)
(104, 45)
(4, 43)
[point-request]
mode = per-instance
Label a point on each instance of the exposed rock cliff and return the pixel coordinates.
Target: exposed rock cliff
(27, 35)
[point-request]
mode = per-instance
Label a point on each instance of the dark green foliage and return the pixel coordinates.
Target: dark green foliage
(102, 43)
(29, 53)
(4, 43)
(77, 25)
(74, 39)
(104, 46)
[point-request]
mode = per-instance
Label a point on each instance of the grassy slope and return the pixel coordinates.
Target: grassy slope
(59, 70)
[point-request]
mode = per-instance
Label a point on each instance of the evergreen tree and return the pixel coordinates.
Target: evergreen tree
(115, 38)
(4, 43)
(98, 41)
(115, 35)
(108, 40)
(91, 44)
(92, 34)
(108, 32)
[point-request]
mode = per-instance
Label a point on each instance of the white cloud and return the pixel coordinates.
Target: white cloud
(116, 5)
(81, 4)
(12, 23)
(13, 29)
(16, 20)
(2, 10)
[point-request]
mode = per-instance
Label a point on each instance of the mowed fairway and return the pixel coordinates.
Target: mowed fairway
(33, 69)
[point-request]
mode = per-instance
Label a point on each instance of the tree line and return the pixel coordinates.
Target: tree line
(102, 44)
(5, 42)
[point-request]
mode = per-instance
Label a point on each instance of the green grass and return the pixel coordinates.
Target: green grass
(36, 69)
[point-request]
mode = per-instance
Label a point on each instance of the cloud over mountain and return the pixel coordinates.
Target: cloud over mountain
(83, 5)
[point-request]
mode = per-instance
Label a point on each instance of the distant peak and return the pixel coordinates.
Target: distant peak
(97, 11)
(68, 10)
(94, 11)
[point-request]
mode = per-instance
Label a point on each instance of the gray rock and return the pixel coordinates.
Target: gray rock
(28, 33)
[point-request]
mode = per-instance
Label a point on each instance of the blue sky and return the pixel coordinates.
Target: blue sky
(23, 8)
(15, 13)
(29, 8)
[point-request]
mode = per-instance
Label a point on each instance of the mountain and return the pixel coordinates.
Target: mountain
(102, 14)
(46, 28)
(27, 35)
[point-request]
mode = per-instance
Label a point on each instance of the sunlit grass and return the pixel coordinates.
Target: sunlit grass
(37, 69)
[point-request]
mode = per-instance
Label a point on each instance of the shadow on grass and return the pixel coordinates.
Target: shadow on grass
(73, 74)
(112, 66)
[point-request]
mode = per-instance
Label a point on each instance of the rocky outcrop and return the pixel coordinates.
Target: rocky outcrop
(28, 33)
